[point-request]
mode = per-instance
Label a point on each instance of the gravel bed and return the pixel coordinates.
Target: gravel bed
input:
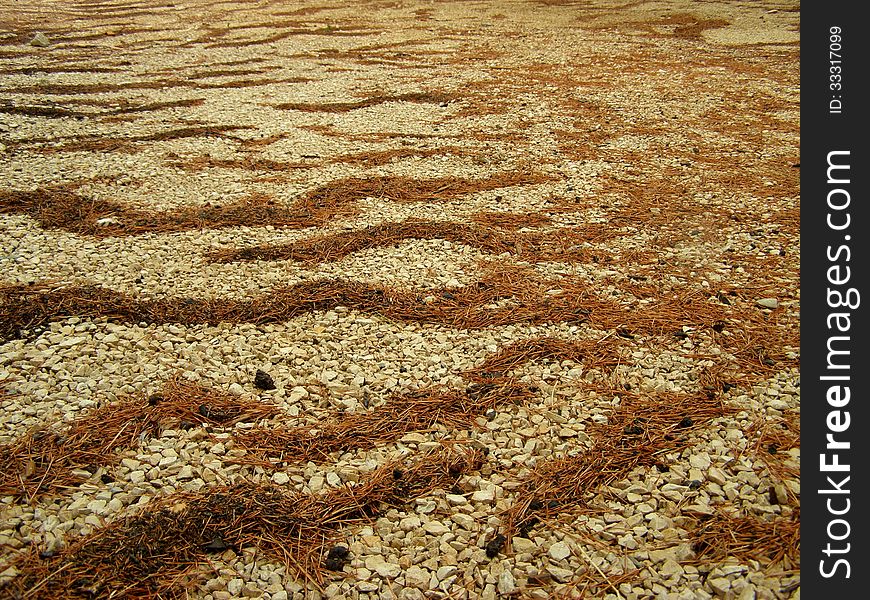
(667, 133)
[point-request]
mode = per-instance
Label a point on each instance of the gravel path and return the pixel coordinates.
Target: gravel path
(399, 299)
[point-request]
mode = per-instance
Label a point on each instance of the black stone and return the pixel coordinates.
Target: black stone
(155, 399)
(526, 527)
(340, 552)
(217, 544)
(771, 495)
(686, 422)
(334, 564)
(494, 546)
(263, 380)
(694, 484)
(336, 558)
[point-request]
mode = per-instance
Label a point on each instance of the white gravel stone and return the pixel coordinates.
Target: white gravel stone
(280, 478)
(560, 574)
(234, 586)
(382, 568)
(770, 303)
(559, 551)
(417, 577)
(506, 583)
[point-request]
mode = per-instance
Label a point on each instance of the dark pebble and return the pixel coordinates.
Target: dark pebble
(340, 552)
(494, 546)
(155, 399)
(217, 544)
(334, 564)
(686, 422)
(771, 495)
(263, 380)
(694, 484)
(526, 527)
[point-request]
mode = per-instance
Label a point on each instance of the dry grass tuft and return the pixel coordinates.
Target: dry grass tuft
(776, 544)
(58, 111)
(636, 434)
(511, 221)
(340, 107)
(405, 189)
(75, 89)
(103, 143)
(595, 353)
(559, 245)
(60, 207)
(758, 343)
(160, 552)
(41, 461)
(370, 158)
(374, 158)
(416, 411)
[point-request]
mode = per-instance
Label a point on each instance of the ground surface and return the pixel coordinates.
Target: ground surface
(399, 299)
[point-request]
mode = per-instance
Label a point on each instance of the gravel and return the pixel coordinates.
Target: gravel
(508, 67)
